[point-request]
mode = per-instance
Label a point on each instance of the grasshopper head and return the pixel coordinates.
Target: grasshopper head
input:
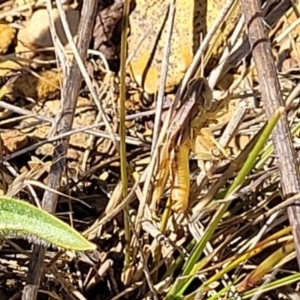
(200, 90)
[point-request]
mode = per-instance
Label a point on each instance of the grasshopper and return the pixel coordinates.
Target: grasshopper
(187, 121)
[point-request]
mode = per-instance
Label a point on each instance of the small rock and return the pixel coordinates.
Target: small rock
(37, 34)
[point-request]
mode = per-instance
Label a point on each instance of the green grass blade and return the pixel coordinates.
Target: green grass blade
(123, 159)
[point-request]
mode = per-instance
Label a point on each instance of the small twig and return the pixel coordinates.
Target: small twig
(272, 98)
(164, 73)
(71, 86)
(79, 59)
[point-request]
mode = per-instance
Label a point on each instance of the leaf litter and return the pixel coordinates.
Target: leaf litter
(247, 238)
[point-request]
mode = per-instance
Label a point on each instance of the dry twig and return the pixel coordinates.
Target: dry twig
(70, 91)
(272, 98)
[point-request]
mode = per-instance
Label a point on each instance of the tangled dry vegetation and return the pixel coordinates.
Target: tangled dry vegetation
(248, 253)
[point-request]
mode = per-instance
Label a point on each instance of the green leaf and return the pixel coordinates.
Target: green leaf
(19, 219)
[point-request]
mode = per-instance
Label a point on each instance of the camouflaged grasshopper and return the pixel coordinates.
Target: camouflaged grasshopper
(185, 133)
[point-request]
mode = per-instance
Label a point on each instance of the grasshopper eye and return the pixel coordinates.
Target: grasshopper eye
(207, 97)
(198, 88)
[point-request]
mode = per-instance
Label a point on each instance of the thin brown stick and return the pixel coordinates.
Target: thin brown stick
(272, 98)
(71, 86)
